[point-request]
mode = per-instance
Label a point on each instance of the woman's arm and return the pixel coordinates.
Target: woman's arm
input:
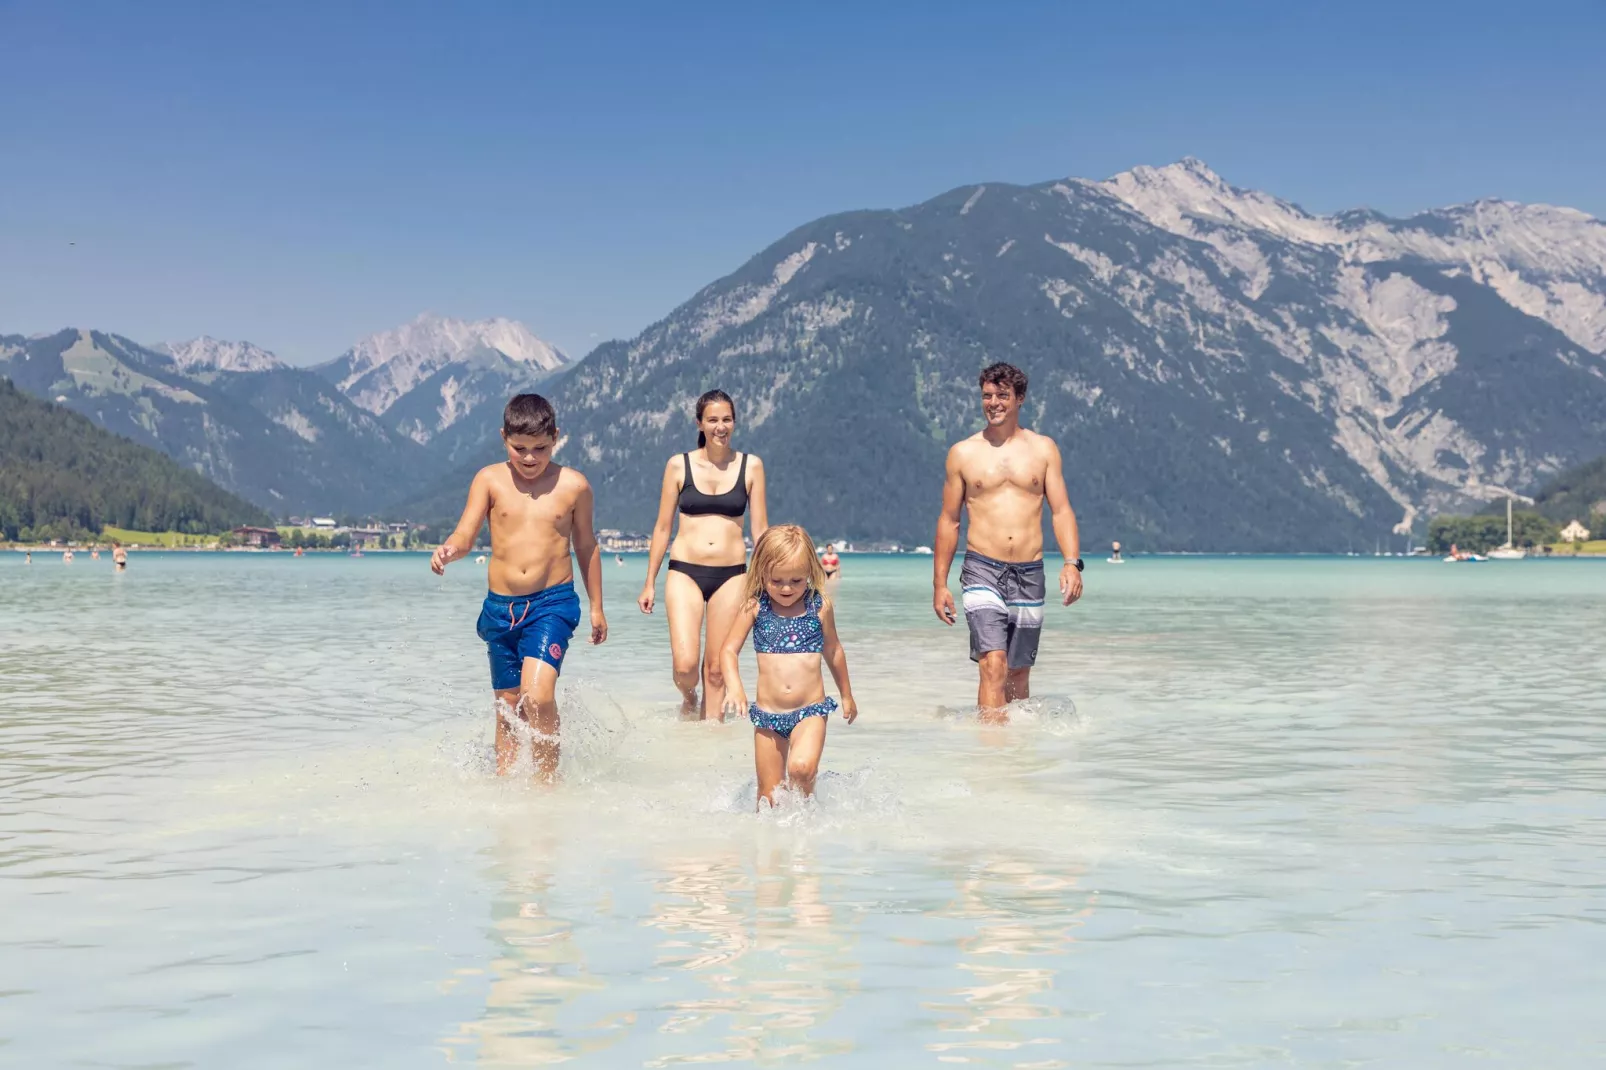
(837, 659)
(667, 495)
(756, 504)
(735, 704)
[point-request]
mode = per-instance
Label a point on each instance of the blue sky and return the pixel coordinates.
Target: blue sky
(301, 175)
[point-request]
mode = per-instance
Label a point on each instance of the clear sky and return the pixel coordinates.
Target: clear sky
(299, 175)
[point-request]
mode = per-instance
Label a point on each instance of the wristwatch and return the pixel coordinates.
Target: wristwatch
(1078, 564)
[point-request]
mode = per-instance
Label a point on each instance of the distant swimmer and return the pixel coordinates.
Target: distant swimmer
(830, 562)
(94, 554)
(66, 556)
(706, 495)
(537, 509)
(28, 557)
(1004, 474)
(618, 559)
(786, 609)
(119, 556)
(1115, 554)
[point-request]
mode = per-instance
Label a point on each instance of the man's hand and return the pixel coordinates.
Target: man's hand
(443, 555)
(942, 601)
(599, 627)
(1070, 583)
(850, 709)
(645, 599)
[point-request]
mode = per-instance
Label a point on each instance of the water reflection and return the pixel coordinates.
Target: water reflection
(1026, 912)
(770, 951)
(537, 971)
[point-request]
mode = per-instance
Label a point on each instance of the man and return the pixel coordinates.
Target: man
(1003, 474)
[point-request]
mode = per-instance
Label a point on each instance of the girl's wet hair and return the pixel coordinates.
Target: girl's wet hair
(707, 399)
(784, 544)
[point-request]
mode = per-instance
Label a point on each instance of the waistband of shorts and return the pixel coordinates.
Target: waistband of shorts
(557, 590)
(828, 704)
(984, 559)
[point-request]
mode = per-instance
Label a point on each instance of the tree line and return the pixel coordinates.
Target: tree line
(1483, 533)
(62, 477)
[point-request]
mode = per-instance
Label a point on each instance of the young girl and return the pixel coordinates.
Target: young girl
(793, 630)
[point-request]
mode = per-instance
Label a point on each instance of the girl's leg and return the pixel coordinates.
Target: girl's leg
(769, 762)
(539, 708)
(722, 610)
(803, 754)
(684, 604)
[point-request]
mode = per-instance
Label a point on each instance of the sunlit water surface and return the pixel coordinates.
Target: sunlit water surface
(1268, 812)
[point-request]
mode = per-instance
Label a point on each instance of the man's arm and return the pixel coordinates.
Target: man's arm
(947, 540)
(461, 540)
(585, 548)
(1064, 519)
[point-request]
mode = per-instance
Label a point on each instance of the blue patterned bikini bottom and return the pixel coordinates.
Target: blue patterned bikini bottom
(783, 723)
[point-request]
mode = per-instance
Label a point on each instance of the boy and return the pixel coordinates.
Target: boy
(537, 509)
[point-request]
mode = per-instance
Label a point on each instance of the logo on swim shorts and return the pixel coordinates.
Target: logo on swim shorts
(556, 651)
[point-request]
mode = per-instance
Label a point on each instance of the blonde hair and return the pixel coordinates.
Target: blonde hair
(782, 545)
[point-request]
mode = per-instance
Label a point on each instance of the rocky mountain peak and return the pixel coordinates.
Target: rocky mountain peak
(211, 354)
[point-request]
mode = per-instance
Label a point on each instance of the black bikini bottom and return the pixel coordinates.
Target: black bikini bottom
(708, 578)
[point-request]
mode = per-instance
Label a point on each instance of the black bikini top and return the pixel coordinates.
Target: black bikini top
(733, 503)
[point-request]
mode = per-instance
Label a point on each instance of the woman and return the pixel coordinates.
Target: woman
(712, 488)
(830, 562)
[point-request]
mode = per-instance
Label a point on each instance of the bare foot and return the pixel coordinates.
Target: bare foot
(690, 708)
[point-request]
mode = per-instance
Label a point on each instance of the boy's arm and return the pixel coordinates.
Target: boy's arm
(461, 540)
(730, 659)
(947, 540)
(585, 548)
(1065, 533)
(837, 659)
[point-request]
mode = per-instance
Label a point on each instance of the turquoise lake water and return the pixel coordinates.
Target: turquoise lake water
(1266, 812)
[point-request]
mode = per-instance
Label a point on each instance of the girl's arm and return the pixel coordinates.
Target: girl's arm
(667, 495)
(735, 704)
(837, 659)
(756, 504)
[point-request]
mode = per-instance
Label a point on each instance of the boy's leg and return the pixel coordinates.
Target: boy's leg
(684, 604)
(722, 610)
(538, 707)
(507, 737)
(769, 762)
(803, 754)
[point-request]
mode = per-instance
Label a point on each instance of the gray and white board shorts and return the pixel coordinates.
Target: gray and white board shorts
(1003, 607)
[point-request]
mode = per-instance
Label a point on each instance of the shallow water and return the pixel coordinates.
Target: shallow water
(1305, 812)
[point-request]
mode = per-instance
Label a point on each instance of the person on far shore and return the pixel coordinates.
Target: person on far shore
(711, 488)
(1003, 474)
(537, 509)
(794, 629)
(119, 556)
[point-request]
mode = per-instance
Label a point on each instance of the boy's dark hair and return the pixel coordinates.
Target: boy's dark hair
(1002, 374)
(529, 414)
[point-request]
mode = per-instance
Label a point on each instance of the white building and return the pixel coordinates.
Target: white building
(1575, 532)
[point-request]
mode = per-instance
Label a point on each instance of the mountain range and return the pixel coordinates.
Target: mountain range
(347, 436)
(1222, 368)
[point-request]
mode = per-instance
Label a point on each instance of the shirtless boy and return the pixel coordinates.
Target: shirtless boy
(537, 510)
(1004, 474)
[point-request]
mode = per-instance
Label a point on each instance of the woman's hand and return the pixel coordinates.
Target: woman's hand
(645, 599)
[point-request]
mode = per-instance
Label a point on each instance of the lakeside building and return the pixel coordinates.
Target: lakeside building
(1575, 532)
(614, 541)
(259, 537)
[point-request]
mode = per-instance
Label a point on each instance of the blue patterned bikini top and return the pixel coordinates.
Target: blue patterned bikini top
(775, 634)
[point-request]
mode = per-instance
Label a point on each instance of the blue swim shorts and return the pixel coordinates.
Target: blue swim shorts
(519, 626)
(783, 723)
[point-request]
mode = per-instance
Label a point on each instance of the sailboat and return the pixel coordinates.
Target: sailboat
(1508, 552)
